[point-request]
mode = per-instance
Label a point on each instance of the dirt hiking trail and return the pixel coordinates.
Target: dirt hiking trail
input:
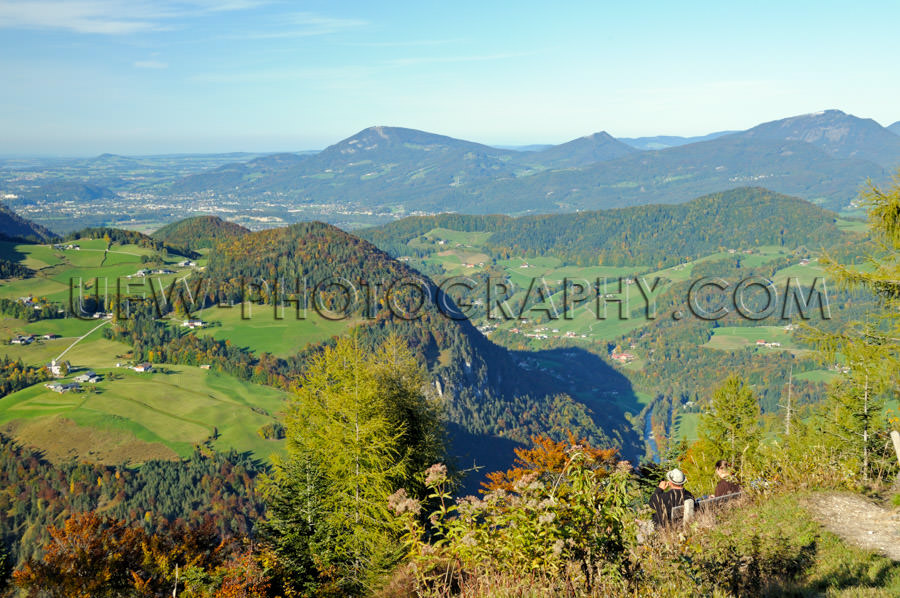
(858, 521)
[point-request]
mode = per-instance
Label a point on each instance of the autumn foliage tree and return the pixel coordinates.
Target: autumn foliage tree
(92, 556)
(548, 456)
(88, 557)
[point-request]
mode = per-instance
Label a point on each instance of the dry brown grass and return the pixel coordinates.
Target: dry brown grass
(63, 439)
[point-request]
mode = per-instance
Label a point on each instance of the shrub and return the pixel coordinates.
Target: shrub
(575, 528)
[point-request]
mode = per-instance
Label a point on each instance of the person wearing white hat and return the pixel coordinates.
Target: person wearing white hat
(669, 494)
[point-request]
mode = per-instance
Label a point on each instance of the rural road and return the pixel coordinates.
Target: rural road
(82, 337)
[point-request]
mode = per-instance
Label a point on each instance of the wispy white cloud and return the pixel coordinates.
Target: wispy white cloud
(406, 43)
(302, 24)
(99, 16)
(110, 17)
(319, 74)
(417, 60)
(151, 64)
(346, 75)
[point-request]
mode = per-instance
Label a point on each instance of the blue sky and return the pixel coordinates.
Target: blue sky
(83, 77)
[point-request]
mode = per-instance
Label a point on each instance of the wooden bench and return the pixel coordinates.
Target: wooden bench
(686, 511)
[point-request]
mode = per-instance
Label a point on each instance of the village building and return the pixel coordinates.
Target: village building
(88, 377)
(59, 368)
(61, 388)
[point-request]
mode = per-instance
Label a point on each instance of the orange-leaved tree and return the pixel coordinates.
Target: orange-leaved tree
(548, 456)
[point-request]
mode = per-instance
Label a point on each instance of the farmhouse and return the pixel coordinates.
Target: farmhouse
(194, 323)
(61, 388)
(59, 368)
(623, 357)
(767, 344)
(89, 376)
(143, 367)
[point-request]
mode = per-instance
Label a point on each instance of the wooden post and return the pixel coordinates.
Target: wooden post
(688, 511)
(787, 418)
(895, 436)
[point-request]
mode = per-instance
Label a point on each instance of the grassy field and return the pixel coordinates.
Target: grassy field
(58, 269)
(853, 226)
(160, 413)
(733, 338)
(135, 417)
(686, 425)
(825, 376)
(93, 352)
(262, 332)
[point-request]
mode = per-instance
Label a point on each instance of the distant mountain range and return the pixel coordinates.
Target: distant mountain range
(666, 141)
(841, 135)
(895, 128)
(822, 157)
(59, 190)
(583, 151)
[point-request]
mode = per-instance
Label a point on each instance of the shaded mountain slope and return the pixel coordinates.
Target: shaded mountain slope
(13, 226)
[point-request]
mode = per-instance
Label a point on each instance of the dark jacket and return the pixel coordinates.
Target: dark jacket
(726, 486)
(663, 501)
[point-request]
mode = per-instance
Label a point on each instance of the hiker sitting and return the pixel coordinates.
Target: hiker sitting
(727, 484)
(669, 494)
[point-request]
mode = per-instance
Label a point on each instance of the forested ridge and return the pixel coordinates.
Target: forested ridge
(656, 236)
(199, 232)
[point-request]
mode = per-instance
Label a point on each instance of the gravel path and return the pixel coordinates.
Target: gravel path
(858, 521)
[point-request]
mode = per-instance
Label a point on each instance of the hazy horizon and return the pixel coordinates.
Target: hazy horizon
(198, 76)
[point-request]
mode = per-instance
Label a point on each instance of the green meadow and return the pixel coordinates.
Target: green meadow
(732, 338)
(173, 409)
(260, 331)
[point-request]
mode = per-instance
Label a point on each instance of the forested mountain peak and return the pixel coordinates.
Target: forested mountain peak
(840, 134)
(381, 138)
(596, 147)
(198, 232)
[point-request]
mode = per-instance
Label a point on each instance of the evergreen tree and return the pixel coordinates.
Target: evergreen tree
(355, 431)
(731, 426)
(854, 414)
